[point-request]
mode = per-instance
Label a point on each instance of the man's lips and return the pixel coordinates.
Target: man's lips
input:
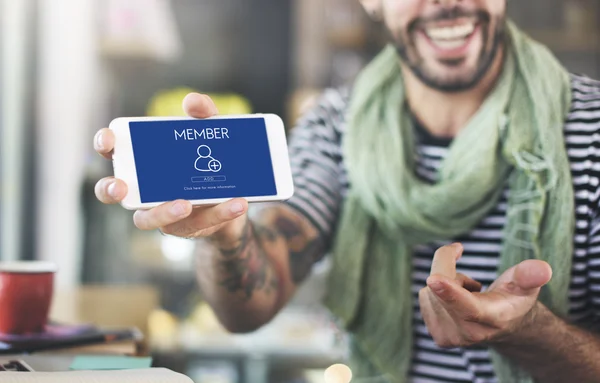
(451, 40)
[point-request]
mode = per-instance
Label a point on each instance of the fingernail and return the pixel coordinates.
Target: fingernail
(178, 209)
(211, 102)
(236, 208)
(99, 141)
(457, 246)
(112, 190)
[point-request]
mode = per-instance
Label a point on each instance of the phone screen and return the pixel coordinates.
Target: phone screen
(202, 159)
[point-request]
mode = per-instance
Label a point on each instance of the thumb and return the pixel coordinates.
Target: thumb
(530, 275)
(199, 106)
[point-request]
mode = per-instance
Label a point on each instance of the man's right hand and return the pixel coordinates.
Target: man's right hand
(223, 223)
(253, 268)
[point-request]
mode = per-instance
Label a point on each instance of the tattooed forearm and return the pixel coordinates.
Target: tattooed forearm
(245, 268)
(303, 251)
(275, 253)
(248, 277)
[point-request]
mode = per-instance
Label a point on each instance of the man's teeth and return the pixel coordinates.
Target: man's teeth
(450, 34)
(449, 44)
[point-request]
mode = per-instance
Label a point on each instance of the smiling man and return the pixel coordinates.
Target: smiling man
(447, 48)
(455, 186)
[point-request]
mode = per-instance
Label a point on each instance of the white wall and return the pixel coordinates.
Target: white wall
(68, 72)
(16, 16)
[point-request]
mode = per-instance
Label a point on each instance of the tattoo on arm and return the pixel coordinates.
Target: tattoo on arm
(246, 266)
(303, 252)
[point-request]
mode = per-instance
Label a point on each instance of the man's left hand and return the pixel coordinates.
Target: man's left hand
(457, 314)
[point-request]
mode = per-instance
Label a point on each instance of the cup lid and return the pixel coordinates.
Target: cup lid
(28, 267)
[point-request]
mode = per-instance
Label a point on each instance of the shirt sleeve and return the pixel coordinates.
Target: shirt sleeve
(316, 162)
(585, 138)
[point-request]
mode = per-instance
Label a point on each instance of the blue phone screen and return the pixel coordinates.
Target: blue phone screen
(202, 159)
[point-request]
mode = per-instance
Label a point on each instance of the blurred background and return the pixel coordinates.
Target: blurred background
(68, 67)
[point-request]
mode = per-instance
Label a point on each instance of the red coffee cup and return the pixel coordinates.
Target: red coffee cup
(25, 296)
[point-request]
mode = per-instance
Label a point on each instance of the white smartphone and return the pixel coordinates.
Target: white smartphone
(204, 161)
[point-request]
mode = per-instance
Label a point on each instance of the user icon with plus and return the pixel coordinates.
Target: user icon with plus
(205, 162)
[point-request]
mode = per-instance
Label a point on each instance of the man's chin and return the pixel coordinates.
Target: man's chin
(448, 82)
(453, 63)
(450, 75)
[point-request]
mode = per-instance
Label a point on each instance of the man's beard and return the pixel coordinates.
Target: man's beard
(489, 51)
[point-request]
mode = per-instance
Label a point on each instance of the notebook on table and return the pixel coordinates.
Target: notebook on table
(57, 337)
(150, 375)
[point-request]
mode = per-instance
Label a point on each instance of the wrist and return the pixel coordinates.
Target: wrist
(232, 235)
(532, 327)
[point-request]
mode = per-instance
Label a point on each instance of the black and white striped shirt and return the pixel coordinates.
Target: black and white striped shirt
(321, 185)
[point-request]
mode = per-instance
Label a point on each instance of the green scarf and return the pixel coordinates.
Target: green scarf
(515, 137)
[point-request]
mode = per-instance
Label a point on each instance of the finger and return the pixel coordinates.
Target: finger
(163, 215)
(529, 276)
(455, 298)
(199, 106)
(110, 190)
(104, 142)
(444, 260)
(203, 219)
(431, 310)
(468, 283)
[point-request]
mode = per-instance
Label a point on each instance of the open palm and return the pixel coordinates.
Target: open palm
(458, 314)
